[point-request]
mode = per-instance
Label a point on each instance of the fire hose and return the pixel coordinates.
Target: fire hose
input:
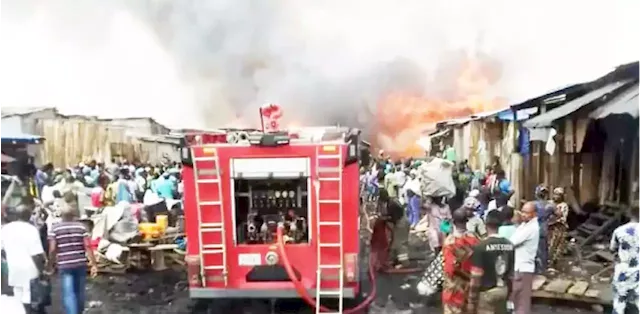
(302, 290)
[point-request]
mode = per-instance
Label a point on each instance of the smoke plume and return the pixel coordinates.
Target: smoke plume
(213, 62)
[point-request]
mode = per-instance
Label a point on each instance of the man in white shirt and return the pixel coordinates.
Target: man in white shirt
(525, 241)
(401, 176)
(24, 253)
(408, 184)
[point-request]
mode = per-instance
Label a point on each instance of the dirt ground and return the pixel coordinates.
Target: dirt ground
(165, 293)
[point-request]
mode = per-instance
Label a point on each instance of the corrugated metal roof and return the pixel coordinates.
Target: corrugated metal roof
(18, 111)
(546, 119)
(621, 72)
(459, 121)
(532, 101)
(522, 114)
(158, 139)
(439, 133)
(475, 116)
(12, 133)
(625, 103)
(487, 114)
(20, 138)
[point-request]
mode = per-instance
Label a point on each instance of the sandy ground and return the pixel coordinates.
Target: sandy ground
(164, 292)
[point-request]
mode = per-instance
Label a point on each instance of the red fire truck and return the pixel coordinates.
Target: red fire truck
(273, 214)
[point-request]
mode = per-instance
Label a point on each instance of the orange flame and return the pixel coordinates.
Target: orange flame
(403, 117)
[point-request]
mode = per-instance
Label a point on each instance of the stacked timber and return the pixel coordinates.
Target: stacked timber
(572, 289)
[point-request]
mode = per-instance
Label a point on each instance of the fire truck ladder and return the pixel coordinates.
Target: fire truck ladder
(336, 175)
(210, 227)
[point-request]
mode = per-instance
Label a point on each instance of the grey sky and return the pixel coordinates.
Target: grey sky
(114, 58)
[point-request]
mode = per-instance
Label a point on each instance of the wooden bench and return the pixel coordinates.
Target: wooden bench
(106, 265)
(136, 257)
(158, 255)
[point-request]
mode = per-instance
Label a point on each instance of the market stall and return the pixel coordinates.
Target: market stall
(137, 236)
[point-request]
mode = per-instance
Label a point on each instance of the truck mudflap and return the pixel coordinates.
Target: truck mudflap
(214, 293)
(266, 273)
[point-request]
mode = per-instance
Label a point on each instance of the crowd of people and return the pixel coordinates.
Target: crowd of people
(41, 230)
(489, 246)
(112, 183)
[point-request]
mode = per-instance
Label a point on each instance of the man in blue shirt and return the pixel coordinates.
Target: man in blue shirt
(42, 176)
(414, 207)
(504, 186)
(166, 187)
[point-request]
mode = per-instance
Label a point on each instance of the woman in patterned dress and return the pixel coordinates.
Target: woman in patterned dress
(456, 251)
(557, 230)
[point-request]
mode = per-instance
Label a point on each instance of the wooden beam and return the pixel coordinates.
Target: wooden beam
(604, 270)
(569, 297)
(605, 226)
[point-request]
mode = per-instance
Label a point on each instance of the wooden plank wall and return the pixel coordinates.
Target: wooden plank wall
(568, 167)
(70, 141)
(73, 140)
(590, 177)
(466, 146)
(587, 176)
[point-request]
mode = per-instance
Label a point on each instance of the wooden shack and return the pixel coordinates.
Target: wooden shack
(576, 138)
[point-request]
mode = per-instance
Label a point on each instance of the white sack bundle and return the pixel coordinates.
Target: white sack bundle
(436, 178)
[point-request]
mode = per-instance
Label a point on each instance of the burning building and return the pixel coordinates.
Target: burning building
(402, 116)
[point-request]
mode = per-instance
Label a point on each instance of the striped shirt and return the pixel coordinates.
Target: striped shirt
(70, 250)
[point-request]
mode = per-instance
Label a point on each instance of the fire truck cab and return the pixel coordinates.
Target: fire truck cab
(241, 186)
